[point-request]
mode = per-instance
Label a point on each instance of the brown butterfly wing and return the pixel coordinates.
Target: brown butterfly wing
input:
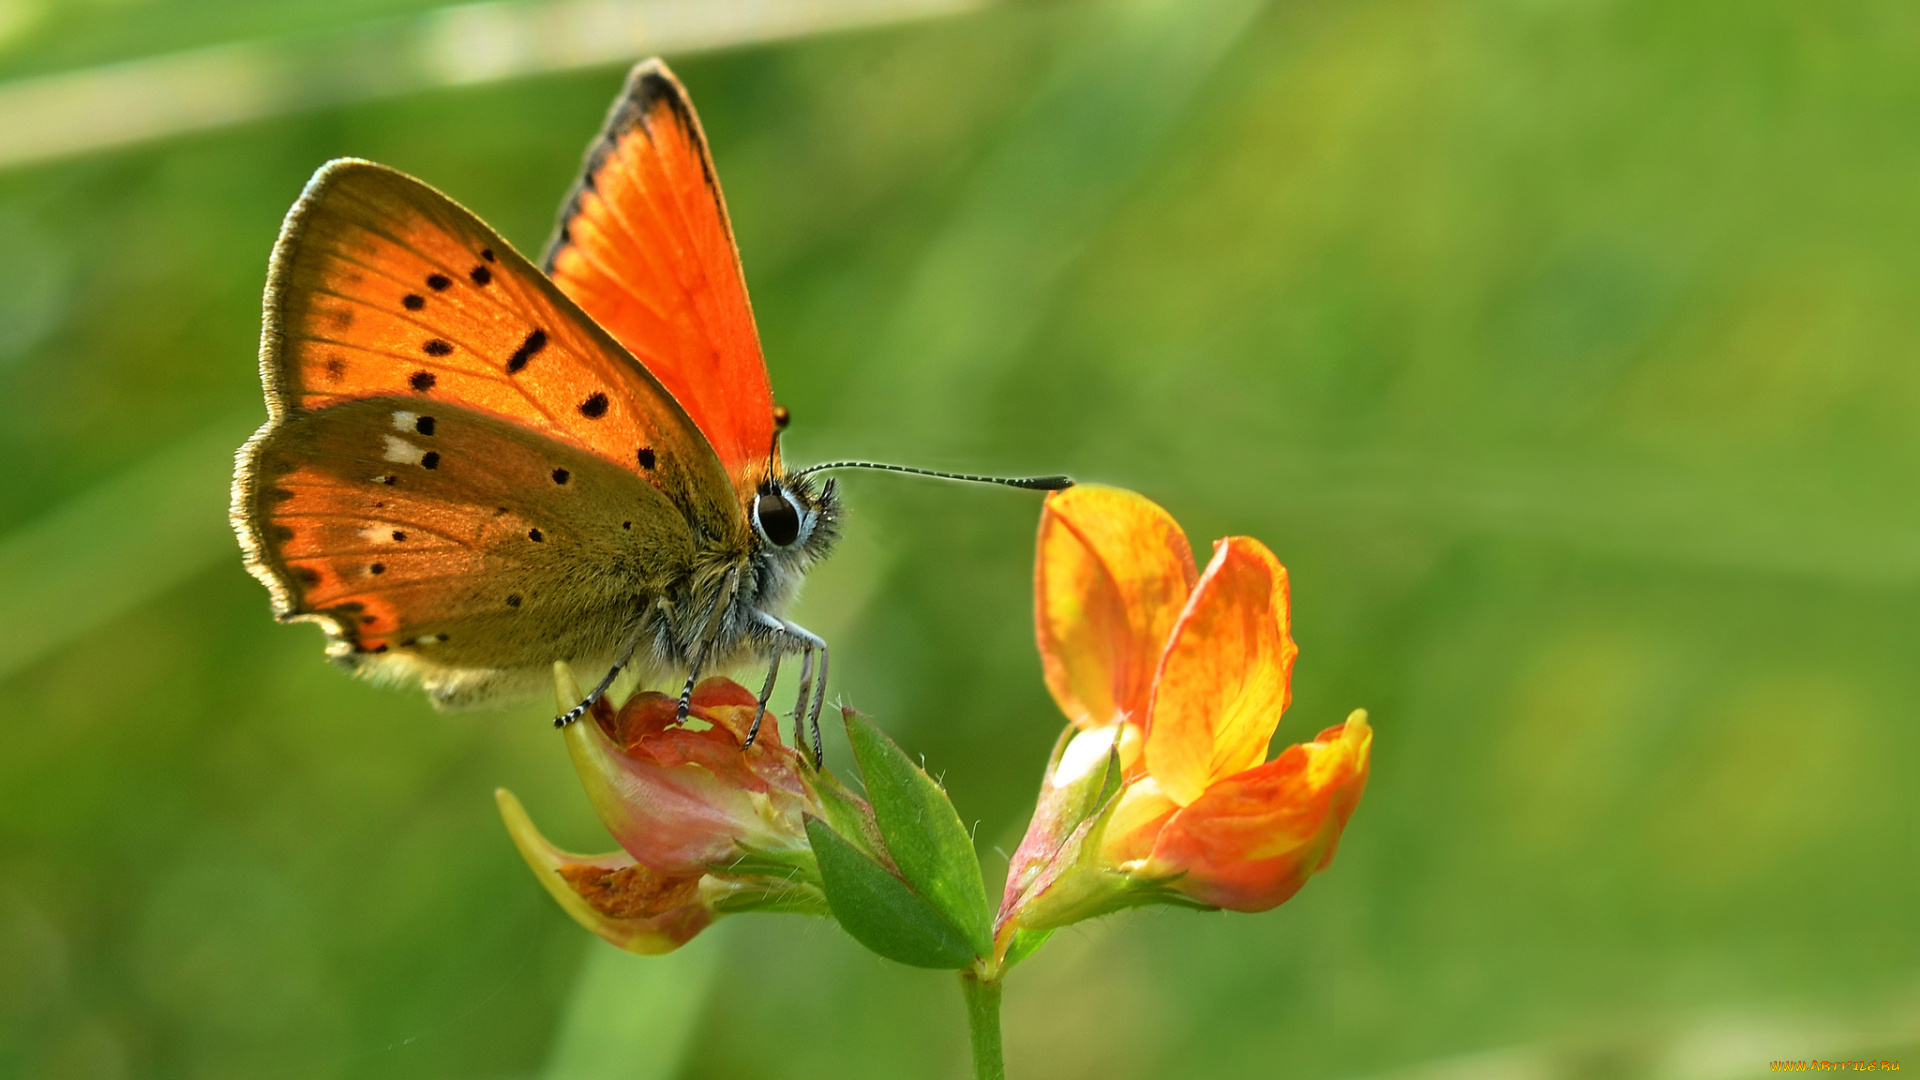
(446, 544)
(387, 298)
(645, 247)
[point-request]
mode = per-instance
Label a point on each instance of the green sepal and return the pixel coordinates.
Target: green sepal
(772, 897)
(1111, 779)
(847, 813)
(1141, 893)
(923, 833)
(1025, 944)
(795, 866)
(774, 881)
(879, 910)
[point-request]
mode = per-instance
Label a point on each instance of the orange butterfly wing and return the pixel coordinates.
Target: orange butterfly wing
(388, 303)
(645, 247)
(382, 286)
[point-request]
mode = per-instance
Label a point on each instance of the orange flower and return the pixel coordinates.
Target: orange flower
(1178, 679)
(682, 799)
(707, 825)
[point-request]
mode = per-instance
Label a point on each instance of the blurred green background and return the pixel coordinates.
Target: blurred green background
(1566, 351)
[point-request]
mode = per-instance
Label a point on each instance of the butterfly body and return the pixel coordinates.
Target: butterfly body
(472, 469)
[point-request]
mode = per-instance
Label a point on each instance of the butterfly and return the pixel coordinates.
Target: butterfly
(474, 466)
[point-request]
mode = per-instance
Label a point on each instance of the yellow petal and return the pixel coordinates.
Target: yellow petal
(1136, 823)
(1112, 574)
(1226, 674)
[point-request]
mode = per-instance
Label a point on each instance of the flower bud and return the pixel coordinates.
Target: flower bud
(708, 825)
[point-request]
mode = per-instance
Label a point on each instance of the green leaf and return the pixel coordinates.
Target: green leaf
(879, 910)
(923, 832)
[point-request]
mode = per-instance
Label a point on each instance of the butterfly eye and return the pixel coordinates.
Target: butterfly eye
(778, 519)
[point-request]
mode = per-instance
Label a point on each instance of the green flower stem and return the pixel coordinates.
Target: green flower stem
(983, 1023)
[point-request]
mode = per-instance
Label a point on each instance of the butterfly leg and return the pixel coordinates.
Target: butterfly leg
(580, 710)
(803, 716)
(774, 649)
(806, 687)
(686, 693)
(819, 701)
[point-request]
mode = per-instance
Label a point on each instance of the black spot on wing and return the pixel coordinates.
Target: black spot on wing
(377, 568)
(430, 459)
(646, 457)
(423, 425)
(413, 302)
(536, 535)
(487, 254)
(595, 406)
(437, 282)
(513, 599)
(436, 347)
(480, 275)
(560, 476)
(398, 535)
(422, 380)
(527, 350)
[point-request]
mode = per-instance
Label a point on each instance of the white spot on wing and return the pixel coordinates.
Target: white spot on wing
(403, 421)
(402, 451)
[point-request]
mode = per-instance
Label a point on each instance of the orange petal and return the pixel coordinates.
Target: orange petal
(1226, 674)
(1112, 573)
(1253, 839)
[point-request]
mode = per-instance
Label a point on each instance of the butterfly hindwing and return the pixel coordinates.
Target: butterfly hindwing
(645, 247)
(445, 543)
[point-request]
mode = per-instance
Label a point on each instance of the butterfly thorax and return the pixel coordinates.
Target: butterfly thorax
(715, 616)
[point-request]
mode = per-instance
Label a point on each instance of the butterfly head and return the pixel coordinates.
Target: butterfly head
(794, 522)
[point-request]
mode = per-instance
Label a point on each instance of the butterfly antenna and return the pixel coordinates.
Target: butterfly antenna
(1031, 483)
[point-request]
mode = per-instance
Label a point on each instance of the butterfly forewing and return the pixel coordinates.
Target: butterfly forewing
(645, 247)
(384, 287)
